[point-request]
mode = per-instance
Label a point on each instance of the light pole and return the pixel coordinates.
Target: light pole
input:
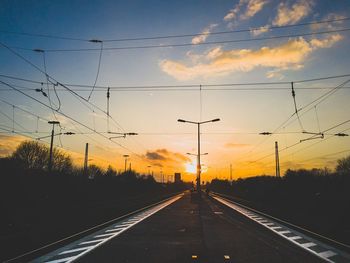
(126, 158)
(51, 144)
(199, 148)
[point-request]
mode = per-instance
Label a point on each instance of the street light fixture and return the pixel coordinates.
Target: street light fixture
(199, 149)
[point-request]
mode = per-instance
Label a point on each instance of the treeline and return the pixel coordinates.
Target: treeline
(38, 207)
(317, 199)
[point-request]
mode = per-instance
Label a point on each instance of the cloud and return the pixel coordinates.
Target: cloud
(9, 143)
(235, 145)
(204, 35)
(326, 42)
(292, 14)
(217, 62)
(259, 30)
(161, 157)
(251, 8)
(330, 25)
(154, 156)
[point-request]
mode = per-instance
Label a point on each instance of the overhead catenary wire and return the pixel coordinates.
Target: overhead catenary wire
(52, 36)
(71, 118)
(57, 82)
(297, 143)
(98, 66)
(196, 86)
(190, 44)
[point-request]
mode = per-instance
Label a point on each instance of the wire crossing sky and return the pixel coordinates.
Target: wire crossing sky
(270, 70)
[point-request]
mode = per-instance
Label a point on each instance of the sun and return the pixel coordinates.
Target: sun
(191, 168)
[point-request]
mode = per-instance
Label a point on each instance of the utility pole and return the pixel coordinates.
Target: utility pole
(86, 158)
(108, 95)
(126, 158)
(231, 172)
(51, 144)
(277, 160)
(130, 167)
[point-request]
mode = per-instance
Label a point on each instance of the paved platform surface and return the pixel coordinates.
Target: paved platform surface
(190, 230)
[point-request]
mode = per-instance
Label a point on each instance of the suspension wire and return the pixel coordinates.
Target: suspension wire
(296, 109)
(200, 103)
(205, 87)
(297, 143)
(108, 95)
(13, 118)
(58, 83)
(175, 36)
(191, 44)
(98, 67)
(71, 118)
(318, 121)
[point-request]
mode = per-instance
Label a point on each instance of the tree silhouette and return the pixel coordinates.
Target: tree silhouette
(343, 166)
(34, 155)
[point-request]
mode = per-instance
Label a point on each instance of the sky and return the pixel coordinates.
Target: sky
(179, 59)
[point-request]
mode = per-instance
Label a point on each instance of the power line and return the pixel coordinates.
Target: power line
(71, 118)
(98, 71)
(79, 97)
(173, 36)
(297, 143)
(191, 44)
(196, 86)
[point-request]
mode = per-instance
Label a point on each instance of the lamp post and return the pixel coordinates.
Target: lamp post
(199, 148)
(126, 158)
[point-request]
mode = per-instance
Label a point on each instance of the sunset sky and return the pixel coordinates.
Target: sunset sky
(141, 100)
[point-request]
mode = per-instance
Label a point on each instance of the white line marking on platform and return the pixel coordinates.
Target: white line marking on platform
(105, 235)
(115, 229)
(327, 254)
(280, 229)
(295, 238)
(90, 242)
(61, 260)
(284, 232)
(309, 244)
(75, 250)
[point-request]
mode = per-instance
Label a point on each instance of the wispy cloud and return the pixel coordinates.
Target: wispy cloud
(162, 157)
(260, 30)
(287, 15)
(245, 9)
(217, 62)
(331, 25)
(204, 34)
(9, 143)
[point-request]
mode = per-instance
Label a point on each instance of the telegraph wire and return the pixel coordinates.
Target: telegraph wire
(173, 36)
(57, 82)
(196, 86)
(71, 118)
(297, 143)
(191, 44)
(98, 68)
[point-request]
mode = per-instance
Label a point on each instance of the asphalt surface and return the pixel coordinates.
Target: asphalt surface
(190, 230)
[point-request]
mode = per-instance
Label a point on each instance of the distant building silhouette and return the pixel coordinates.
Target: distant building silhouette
(177, 177)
